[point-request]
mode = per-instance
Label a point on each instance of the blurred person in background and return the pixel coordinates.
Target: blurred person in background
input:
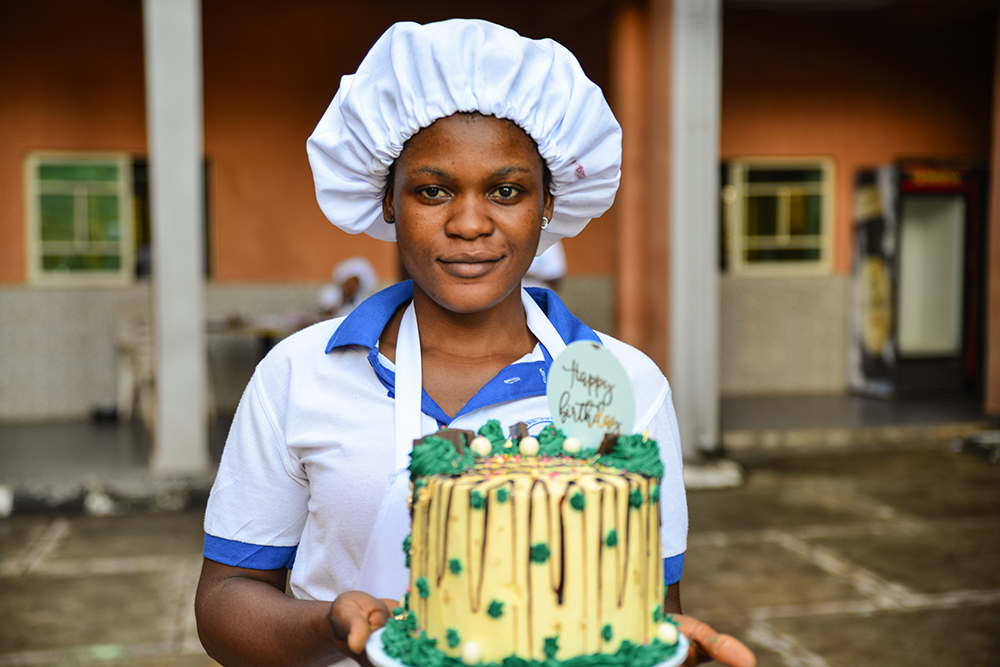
(354, 280)
(548, 269)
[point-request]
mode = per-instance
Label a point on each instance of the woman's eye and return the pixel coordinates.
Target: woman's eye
(433, 192)
(506, 192)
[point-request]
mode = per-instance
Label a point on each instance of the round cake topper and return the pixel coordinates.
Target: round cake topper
(590, 394)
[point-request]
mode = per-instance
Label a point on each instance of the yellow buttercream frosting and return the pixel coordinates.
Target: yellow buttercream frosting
(522, 554)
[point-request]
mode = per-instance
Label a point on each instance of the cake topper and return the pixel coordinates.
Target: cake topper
(590, 394)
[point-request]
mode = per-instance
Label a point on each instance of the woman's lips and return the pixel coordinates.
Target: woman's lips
(469, 265)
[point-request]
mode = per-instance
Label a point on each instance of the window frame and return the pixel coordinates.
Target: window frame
(734, 201)
(36, 275)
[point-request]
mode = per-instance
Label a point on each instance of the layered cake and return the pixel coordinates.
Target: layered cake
(527, 550)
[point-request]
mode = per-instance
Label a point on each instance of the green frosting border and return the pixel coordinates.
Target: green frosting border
(410, 646)
(632, 453)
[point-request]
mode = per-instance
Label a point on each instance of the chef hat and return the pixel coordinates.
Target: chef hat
(416, 74)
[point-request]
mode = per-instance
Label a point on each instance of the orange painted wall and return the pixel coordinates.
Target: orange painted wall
(862, 87)
(71, 76)
(271, 69)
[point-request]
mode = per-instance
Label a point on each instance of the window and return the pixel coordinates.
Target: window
(778, 216)
(80, 223)
(88, 218)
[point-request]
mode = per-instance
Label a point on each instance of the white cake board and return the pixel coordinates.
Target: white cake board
(379, 658)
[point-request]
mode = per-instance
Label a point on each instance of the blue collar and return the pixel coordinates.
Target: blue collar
(366, 323)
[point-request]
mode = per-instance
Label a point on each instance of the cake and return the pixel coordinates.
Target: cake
(527, 550)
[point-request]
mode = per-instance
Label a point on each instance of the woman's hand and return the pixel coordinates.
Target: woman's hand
(707, 644)
(354, 616)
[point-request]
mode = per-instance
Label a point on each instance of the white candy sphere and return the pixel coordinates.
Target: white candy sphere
(528, 446)
(571, 445)
(667, 633)
(472, 653)
(481, 445)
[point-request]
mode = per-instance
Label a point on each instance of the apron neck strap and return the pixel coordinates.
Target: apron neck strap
(409, 386)
(409, 379)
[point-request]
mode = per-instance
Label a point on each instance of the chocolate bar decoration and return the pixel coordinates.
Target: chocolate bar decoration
(608, 444)
(459, 438)
(518, 431)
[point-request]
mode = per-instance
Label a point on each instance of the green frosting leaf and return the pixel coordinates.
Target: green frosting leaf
(452, 638)
(636, 455)
(657, 613)
(477, 500)
(424, 651)
(606, 632)
(491, 431)
(550, 442)
(422, 588)
(635, 498)
(455, 566)
(496, 609)
(540, 553)
(654, 494)
(612, 539)
(502, 495)
(403, 643)
(578, 501)
(551, 647)
(407, 543)
(437, 456)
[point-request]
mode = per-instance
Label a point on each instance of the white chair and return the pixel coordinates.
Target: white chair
(137, 369)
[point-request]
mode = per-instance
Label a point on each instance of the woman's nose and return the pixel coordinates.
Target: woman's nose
(470, 220)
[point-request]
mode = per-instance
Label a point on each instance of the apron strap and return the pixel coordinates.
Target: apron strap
(409, 386)
(540, 325)
(383, 572)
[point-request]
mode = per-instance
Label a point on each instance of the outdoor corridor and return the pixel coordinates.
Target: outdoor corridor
(887, 555)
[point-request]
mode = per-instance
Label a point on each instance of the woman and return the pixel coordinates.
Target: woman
(473, 148)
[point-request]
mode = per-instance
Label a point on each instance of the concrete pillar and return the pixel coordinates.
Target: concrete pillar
(174, 125)
(629, 56)
(657, 223)
(694, 219)
(991, 370)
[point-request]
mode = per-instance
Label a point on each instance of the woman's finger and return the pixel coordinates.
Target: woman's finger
(354, 616)
(707, 644)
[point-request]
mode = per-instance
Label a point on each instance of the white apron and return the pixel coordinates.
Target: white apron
(383, 572)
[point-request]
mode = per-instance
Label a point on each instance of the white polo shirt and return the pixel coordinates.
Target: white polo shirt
(311, 448)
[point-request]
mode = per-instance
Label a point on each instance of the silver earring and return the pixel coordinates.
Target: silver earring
(545, 222)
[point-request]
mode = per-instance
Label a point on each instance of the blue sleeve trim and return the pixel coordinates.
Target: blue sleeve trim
(250, 556)
(672, 569)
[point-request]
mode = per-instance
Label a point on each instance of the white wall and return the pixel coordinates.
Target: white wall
(57, 346)
(784, 335)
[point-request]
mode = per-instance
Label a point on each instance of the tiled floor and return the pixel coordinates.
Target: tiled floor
(82, 590)
(823, 558)
(853, 558)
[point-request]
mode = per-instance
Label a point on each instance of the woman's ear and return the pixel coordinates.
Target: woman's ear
(388, 213)
(550, 204)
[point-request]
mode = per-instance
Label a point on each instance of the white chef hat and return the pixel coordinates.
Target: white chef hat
(416, 74)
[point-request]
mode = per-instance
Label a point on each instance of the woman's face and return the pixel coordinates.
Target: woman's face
(468, 198)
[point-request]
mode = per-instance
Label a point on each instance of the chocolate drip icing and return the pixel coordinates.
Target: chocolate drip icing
(551, 486)
(560, 588)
